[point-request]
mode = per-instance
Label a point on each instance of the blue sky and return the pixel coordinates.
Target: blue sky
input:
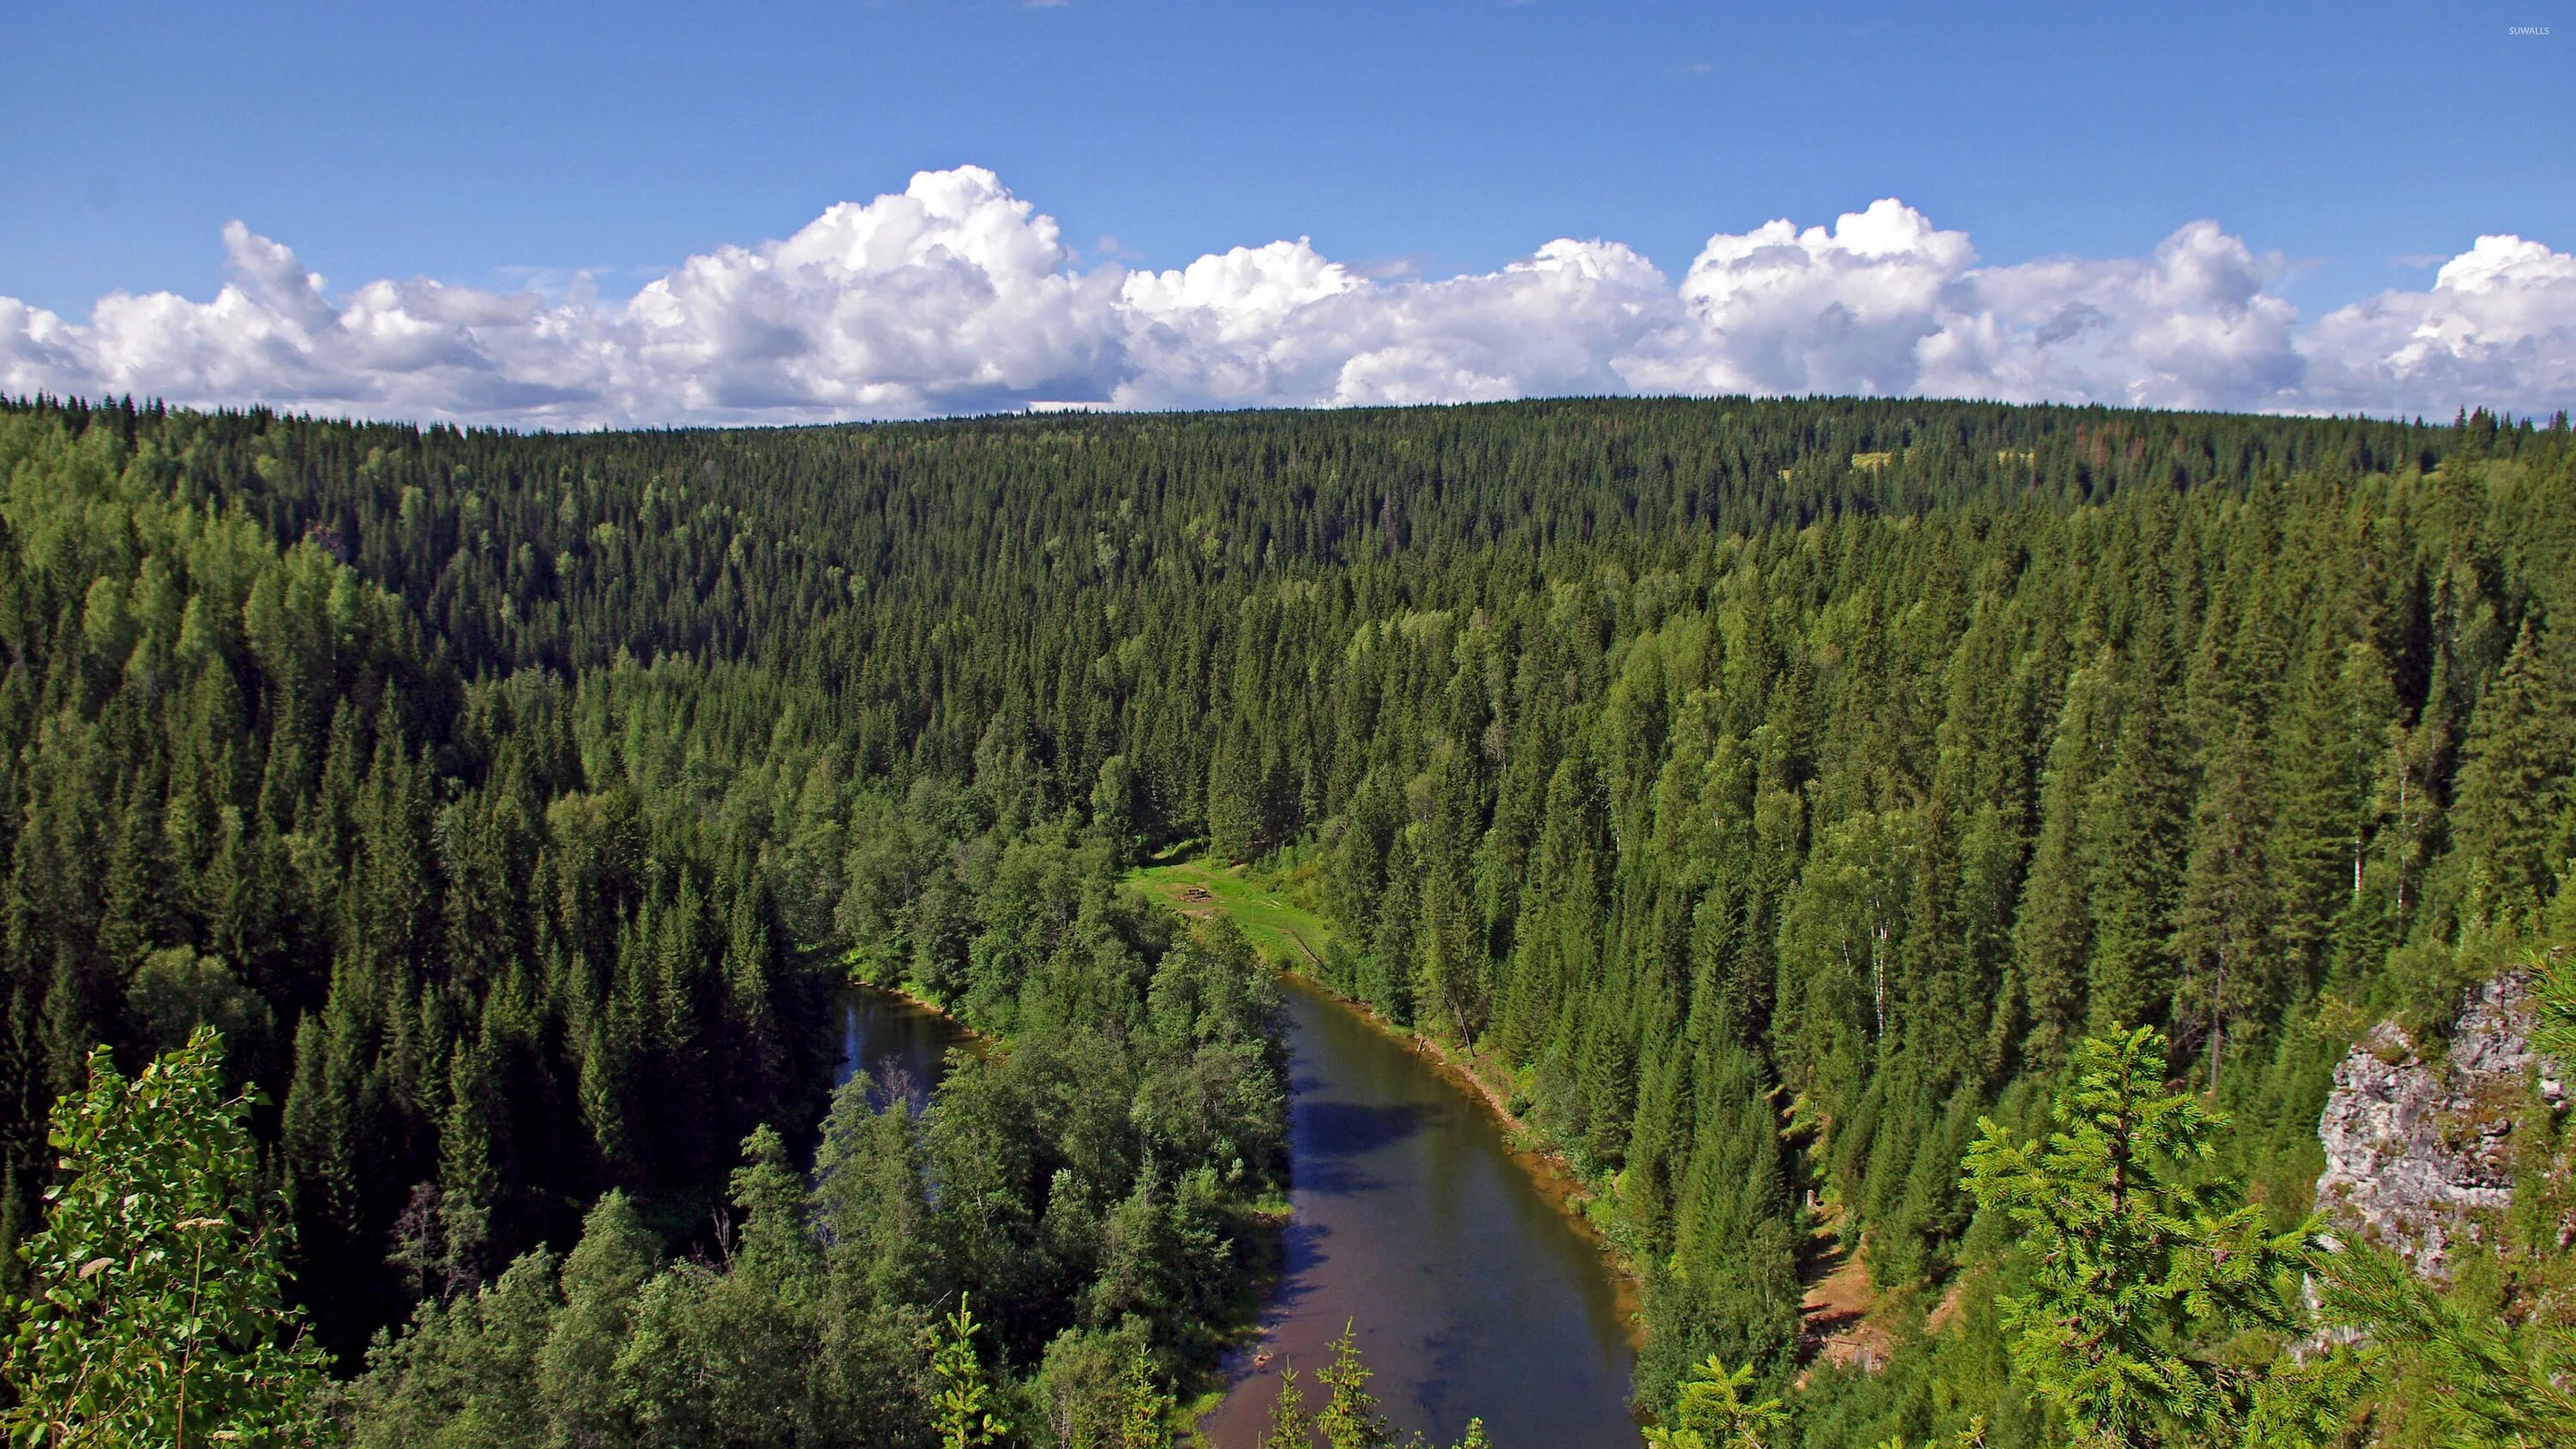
(495, 145)
(463, 140)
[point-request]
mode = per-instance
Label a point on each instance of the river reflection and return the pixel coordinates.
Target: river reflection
(901, 1045)
(1472, 1295)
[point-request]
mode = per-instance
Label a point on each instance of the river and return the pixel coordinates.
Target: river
(901, 1044)
(1472, 1294)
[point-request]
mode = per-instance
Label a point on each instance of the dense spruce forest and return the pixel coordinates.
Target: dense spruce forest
(1773, 789)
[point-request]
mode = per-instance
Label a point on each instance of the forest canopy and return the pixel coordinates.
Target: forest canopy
(1778, 788)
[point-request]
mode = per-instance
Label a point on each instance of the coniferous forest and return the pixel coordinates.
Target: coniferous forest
(1776, 791)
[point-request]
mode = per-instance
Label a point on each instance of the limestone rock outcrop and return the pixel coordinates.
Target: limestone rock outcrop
(2419, 1152)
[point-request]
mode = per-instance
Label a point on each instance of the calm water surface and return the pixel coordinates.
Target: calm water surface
(1472, 1294)
(900, 1044)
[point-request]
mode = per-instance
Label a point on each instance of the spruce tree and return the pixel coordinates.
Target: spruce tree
(2514, 784)
(2223, 926)
(2137, 1258)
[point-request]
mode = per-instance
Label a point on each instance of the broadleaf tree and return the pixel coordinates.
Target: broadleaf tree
(156, 1311)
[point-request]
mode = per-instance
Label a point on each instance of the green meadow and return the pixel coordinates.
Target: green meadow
(1266, 906)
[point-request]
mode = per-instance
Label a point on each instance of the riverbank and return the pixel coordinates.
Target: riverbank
(1196, 888)
(1472, 1292)
(913, 1039)
(983, 1041)
(1551, 1171)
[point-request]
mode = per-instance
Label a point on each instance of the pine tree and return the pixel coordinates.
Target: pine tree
(1113, 810)
(1235, 824)
(602, 1277)
(2136, 829)
(2222, 930)
(1394, 954)
(1145, 1410)
(2053, 931)
(1715, 1411)
(1350, 1419)
(2496, 1384)
(1291, 1427)
(965, 1407)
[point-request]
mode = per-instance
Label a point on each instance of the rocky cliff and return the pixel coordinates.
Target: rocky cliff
(2419, 1145)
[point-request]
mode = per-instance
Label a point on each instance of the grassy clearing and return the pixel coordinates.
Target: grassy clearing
(1267, 910)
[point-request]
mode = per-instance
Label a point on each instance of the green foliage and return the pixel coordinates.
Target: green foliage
(2488, 1383)
(157, 1312)
(1971, 1437)
(1291, 1427)
(963, 1406)
(1350, 1419)
(513, 803)
(2554, 1000)
(2511, 817)
(834, 1311)
(1715, 1411)
(2151, 1288)
(1145, 1420)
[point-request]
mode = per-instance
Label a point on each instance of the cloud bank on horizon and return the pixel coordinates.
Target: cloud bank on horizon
(956, 296)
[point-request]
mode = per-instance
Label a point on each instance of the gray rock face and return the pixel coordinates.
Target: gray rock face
(2419, 1153)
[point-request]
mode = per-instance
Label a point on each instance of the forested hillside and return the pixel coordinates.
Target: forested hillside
(1776, 787)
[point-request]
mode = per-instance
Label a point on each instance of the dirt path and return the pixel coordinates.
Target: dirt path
(1840, 1318)
(1836, 1325)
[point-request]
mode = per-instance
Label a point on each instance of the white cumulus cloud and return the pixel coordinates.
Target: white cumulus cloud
(2191, 326)
(1282, 326)
(2499, 323)
(1781, 310)
(955, 295)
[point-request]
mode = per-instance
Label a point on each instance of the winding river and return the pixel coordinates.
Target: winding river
(1472, 1294)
